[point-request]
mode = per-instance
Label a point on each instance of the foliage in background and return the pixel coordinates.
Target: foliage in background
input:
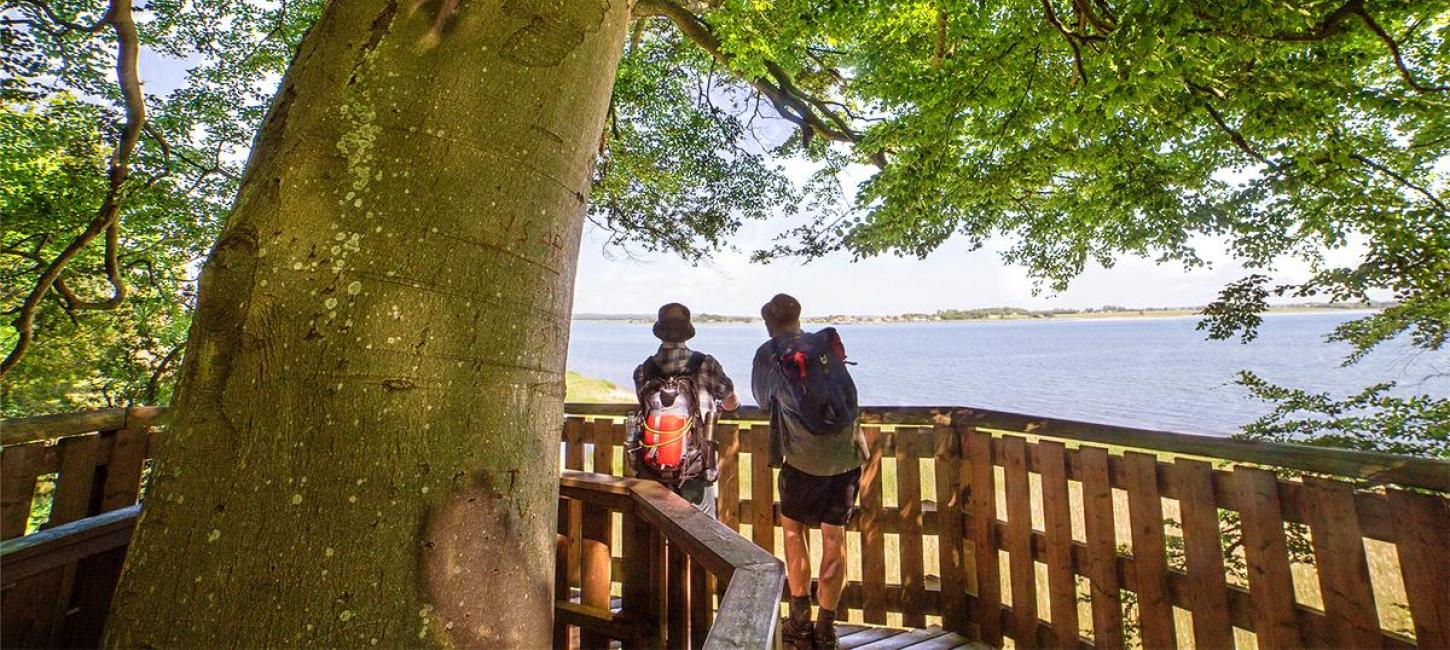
(59, 125)
(1076, 131)
(1371, 420)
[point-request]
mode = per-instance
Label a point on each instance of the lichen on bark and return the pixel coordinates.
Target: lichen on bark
(368, 414)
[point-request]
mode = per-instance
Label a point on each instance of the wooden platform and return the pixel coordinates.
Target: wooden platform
(854, 637)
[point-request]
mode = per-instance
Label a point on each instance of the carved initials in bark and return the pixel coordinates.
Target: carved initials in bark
(555, 28)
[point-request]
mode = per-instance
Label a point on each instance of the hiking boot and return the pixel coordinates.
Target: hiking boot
(825, 636)
(800, 635)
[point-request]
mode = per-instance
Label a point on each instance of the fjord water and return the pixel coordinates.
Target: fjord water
(1157, 373)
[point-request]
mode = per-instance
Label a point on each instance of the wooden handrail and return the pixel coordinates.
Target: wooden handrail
(66, 544)
(1375, 467)
(750, 606)
(15, 431)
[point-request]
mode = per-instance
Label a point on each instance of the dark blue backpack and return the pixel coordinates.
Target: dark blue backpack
(813, 371)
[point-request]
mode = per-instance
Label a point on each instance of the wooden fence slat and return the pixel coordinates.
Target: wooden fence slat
(75, 482)
(873, 539)
(677, 583)
(728, 487)
(1271, 582)
(561, 584)
(1102, 548)
(1423, 523)
(1203, 551)
(762, 490)
(574, 443)
(908, 497)
(983, 493)
(1150, 557)
(950, 533)
(619, 433)
(1343, 569)
(97, 576)
(1019, 540)
(603, 431)
(1057, 517)
(573, 519)
(75, 491)
(17, 486)
(123, 471)
(702, 612)
(595, 566)
(643, 566)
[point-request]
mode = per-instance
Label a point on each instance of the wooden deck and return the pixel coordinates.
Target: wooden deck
(862, 637)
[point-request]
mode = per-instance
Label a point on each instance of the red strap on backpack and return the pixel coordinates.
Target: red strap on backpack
(800, 362)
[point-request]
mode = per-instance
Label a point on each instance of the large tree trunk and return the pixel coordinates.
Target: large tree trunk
(368, 419)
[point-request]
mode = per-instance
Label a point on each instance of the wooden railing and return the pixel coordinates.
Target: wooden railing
(72, 481)
(675, 560)
(1058, 533)
(994, 525)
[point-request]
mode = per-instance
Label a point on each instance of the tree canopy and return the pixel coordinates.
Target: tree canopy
(1080, 131)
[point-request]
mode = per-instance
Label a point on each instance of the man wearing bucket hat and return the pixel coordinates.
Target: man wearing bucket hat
(678, 389)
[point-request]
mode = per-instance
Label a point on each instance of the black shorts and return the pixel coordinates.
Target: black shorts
(814, 500)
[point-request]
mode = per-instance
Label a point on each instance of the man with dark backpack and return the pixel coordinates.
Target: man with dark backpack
(670, 439)
(801, 378)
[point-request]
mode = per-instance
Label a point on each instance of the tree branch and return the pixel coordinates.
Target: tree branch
(1404, 182)
(107, 218)
(1051, 14)
(1389, 41)
(808, 113)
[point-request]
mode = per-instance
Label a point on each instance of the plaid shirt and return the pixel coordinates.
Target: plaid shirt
(672, 358)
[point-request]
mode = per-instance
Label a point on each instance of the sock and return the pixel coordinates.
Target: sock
(825, 620)
(800, 608)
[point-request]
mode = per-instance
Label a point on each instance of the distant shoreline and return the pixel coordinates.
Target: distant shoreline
(988, 315)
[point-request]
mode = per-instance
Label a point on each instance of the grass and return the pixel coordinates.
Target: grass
(578, 388)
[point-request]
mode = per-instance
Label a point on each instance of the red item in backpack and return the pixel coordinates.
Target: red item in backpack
(664, 439)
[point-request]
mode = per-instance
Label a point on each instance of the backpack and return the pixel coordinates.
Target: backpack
(669, 445)
(813, 371)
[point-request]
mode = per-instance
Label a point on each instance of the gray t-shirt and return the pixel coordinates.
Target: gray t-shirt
(790, 441)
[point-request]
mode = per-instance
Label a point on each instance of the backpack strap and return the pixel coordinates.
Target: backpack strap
(651, 368)
(697, 359)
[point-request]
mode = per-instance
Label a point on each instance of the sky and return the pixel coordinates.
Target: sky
(952, 277)
(615, 281)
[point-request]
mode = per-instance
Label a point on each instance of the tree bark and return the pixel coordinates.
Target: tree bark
(366, 443)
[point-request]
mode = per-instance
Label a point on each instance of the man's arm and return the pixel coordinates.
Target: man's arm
(760, 375)
(719, 384)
